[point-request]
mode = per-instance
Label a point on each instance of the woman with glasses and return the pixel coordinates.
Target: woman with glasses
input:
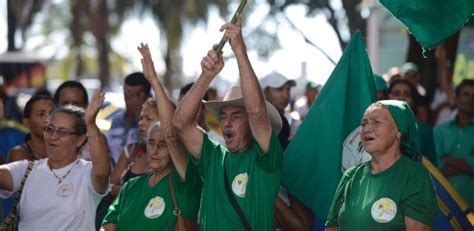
(153, 201)
(62, 191)
(35, 116)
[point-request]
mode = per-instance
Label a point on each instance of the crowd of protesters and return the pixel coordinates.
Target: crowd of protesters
(169, 167)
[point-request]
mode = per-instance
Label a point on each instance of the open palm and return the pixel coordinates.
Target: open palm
(94, 106)
(147, 63)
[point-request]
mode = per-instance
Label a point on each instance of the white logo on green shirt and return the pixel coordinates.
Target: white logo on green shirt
(155, 207)
(384, 210)
(239, 184)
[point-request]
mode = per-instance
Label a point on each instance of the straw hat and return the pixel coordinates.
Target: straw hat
(233, 97)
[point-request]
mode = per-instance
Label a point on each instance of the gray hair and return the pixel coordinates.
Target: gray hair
(156, 125)
(79, 115)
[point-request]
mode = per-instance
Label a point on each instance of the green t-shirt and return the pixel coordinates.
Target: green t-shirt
(365, 201)
(451, 140)
(142, 207)
(254, 178)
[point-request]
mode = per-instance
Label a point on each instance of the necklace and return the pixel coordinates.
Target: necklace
(60, 179)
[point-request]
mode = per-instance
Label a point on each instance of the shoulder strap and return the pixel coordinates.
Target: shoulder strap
(29, 151)
(18, 193)
(234, 203)
(176, 210)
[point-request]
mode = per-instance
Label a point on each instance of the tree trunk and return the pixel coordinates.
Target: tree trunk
(354, 18)
(101, 35)
(79, 11)
(428, 65)
(12, 26)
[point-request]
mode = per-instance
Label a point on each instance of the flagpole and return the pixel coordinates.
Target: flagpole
(233, 21)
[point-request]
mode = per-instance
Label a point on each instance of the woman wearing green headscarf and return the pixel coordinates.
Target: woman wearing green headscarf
(392, 191)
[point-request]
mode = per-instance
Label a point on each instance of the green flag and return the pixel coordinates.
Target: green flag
(312, 163)
(431, 21)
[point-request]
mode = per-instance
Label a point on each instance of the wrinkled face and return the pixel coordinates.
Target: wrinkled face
(235, 128)
(279, 97)
(157, 151)
(61, 142)
(402, 92)
(39, 116)
(148, 116)
(378, 130)
(72, 95)
(465, 100)
(135, 96)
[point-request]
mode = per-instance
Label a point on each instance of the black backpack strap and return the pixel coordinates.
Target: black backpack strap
(234, 203)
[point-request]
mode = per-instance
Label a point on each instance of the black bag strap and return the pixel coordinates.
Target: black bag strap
(234, 203)
(29, 151)
(20, 190)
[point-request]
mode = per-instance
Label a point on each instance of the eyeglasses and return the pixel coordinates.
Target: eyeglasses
(160, 144)
(61, 132)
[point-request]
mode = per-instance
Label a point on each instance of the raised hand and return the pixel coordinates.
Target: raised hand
(212, 63)
(233, 34)
(93, 107)
(147, 63)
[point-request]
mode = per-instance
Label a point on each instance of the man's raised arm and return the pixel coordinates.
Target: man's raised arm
(186, 114)
(251, 90)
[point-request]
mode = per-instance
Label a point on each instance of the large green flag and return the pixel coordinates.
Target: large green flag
(431, 21)
(312, 163)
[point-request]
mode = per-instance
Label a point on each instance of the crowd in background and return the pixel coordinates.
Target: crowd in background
(139, 134)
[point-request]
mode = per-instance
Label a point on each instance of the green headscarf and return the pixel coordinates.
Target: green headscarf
(380, 83)
(406, 123)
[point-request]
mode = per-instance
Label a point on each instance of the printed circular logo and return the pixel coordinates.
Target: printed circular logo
(384, 210)
(352, 151)
(155, 207)
(239, 184)
(65, 190)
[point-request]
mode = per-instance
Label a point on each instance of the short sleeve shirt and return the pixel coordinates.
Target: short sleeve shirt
(254, 178)
(47, 204)
(140, 206)
(366, 201)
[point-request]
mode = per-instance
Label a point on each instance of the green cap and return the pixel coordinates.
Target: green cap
(406, 123)
(409, 67)
(380, 83)
(311, 84)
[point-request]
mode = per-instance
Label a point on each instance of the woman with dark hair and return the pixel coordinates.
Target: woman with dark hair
(62, 191)
(403, 90)
(133, 160)
(71, 92)
(35, 117)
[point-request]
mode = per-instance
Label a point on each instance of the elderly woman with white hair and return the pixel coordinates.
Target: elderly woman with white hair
(166, 198)
(392, 191)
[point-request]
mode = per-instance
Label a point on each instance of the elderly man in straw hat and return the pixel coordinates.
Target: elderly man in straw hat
(241, 179)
